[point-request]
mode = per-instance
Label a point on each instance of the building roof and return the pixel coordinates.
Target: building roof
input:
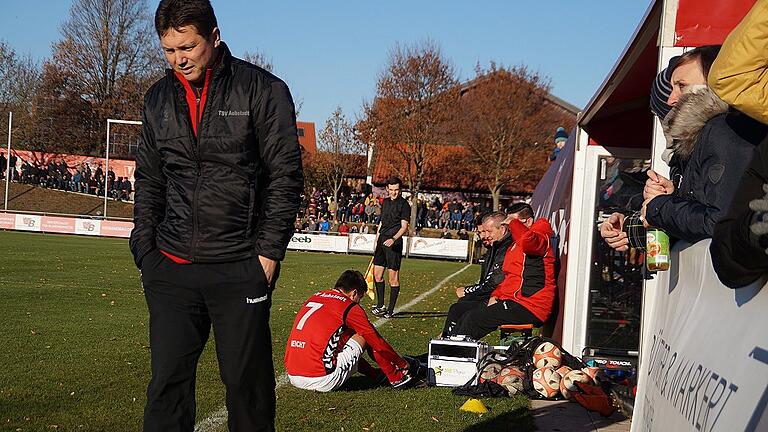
(307, 138)
(564, 105)
(446, 174)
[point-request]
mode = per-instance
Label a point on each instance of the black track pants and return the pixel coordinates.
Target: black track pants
(485, 320)
(184, 301)
(459, 309)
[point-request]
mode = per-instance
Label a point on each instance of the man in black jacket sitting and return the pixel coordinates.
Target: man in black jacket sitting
(493, 232)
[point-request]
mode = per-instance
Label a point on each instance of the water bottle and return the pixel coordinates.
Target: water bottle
(657, 245)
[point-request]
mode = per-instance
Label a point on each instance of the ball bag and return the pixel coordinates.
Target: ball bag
(512, 379)
(490, 372)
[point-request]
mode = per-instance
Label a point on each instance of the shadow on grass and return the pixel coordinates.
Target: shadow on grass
(360, 383)
(430, 314)
(518, 419)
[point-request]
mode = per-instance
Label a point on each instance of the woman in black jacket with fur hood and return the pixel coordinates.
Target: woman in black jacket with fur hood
(709, 146)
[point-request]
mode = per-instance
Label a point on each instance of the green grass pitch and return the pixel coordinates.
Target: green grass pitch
(74, 354)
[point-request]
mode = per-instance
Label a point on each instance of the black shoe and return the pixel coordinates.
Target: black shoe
(403, 382)
(389, 313)
(378, 311)
(416, 368)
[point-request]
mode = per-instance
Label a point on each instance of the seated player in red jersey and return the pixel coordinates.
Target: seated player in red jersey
(328, 338)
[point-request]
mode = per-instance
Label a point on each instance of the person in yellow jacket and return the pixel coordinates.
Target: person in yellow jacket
(739, 75)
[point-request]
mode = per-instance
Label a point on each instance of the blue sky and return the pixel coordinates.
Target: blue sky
(331, 51)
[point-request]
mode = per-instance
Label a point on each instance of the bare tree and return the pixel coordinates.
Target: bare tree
(409, 113)
(63, 121)
(20, 78)
(110, 51)
(259, 59)
(338, 150)
(502, 116)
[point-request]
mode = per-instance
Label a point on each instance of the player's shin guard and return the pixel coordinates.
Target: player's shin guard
(379, 294)
(393, 293)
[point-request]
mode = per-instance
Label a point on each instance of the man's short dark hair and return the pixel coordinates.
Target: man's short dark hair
(497, 217)
(394, 181)
(523, 210)
(179, 13)
(352, 280)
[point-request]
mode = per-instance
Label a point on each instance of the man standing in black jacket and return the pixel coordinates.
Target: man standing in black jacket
(218, 179)
(496, 234)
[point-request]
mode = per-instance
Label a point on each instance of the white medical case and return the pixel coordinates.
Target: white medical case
(454, 360)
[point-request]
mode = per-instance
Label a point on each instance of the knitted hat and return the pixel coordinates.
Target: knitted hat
(662, 88)
(561, 135)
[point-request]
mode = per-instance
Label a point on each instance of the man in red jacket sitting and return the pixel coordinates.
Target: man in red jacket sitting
(329, 335)
(527, 293)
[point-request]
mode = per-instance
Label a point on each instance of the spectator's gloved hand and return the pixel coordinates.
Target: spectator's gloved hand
(593, 398)
(759, 226)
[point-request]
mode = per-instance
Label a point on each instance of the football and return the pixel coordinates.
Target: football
(547, 355)
(568, 383)
(563, 371)
(595, 374)
(512, 379)
(546, 382)
(490, 372)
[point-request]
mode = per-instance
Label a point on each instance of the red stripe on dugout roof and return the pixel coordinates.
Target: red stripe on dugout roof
(707, 22)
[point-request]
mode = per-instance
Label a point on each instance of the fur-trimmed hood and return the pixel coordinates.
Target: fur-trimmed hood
(686, 119)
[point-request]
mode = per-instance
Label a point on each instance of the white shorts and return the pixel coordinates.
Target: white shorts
(346, 365)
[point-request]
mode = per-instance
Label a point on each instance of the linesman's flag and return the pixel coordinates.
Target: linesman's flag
(369, 281)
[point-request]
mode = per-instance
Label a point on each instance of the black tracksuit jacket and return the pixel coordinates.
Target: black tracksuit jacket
(232, 190)
(491, 273)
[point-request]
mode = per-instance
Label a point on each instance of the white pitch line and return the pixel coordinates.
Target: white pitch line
(219, 417)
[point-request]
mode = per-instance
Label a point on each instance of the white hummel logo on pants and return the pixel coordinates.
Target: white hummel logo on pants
(255, 300)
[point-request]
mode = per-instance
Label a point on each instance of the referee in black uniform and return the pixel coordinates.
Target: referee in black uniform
(395, 214)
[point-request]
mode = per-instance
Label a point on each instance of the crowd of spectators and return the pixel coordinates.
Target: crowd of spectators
(360, 212)
(56, 174)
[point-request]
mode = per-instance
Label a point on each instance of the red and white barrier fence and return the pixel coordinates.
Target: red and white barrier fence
(354, 243)
(65, 225)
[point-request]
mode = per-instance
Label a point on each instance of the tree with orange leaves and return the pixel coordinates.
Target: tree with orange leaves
(503, 120)
(410, 112)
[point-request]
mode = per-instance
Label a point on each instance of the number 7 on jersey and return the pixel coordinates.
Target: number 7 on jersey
(313, 307)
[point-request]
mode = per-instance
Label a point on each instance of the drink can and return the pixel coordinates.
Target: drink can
(657, 245)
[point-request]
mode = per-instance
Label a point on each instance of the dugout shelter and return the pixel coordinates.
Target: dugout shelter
(699, 347)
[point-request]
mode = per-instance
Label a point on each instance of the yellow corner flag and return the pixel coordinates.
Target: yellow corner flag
(369, 280)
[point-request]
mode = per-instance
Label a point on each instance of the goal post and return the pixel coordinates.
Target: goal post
(110, 122)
